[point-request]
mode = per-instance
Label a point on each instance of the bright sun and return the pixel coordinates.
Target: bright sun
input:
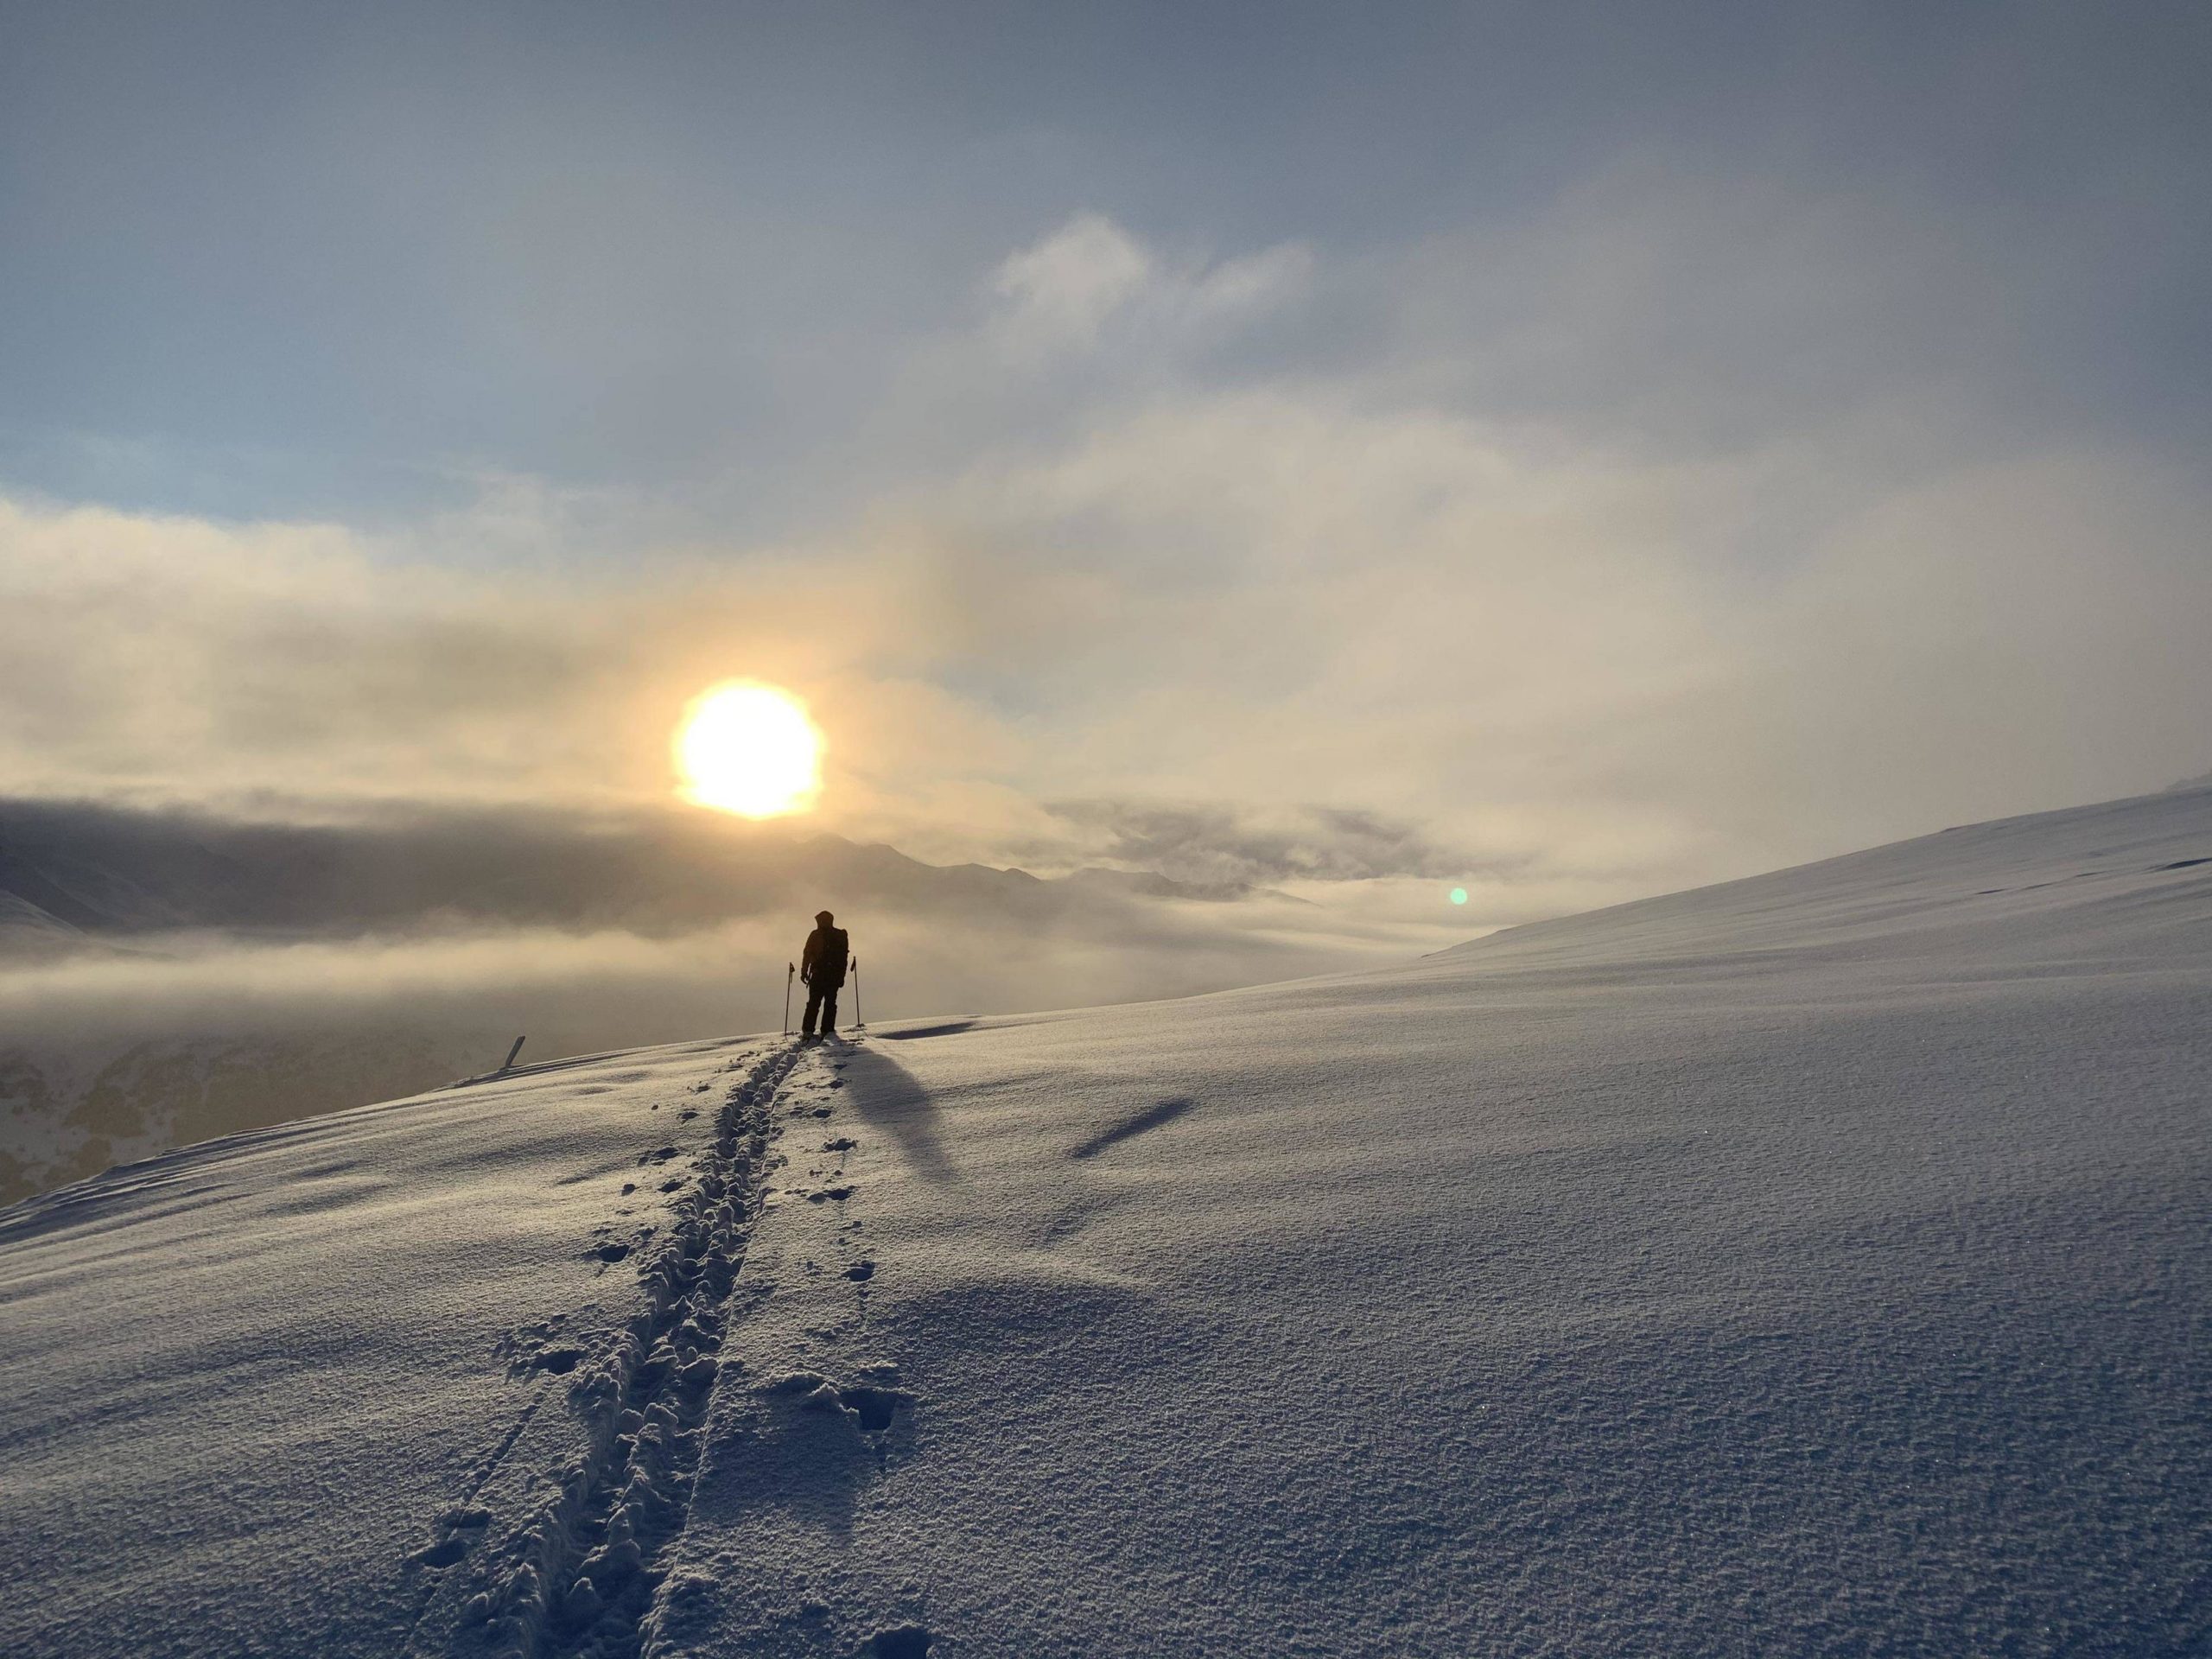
(749, 749)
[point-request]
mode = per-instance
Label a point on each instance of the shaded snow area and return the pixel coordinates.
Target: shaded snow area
(1816, 1264)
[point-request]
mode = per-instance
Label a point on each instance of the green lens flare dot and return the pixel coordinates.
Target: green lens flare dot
(1458, 895)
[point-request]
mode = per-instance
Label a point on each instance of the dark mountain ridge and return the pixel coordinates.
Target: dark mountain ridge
(71, 870)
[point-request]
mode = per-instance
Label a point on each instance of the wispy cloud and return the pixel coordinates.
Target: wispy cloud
(1091, 284)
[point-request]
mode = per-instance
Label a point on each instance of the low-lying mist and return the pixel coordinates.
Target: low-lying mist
(170, 975)
(110, 1052)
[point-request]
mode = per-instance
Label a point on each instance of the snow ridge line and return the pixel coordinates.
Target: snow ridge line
(582, 1582)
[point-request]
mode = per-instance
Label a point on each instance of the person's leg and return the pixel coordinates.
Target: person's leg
(813, 1008)
(830, 1011)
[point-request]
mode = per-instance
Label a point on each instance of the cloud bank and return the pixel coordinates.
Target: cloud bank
(1219, 606)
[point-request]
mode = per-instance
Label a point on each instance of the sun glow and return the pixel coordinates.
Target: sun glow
(749, 749)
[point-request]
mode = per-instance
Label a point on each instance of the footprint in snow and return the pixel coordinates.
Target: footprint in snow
(461, 1528)
(532, 1348)
(870, 1407)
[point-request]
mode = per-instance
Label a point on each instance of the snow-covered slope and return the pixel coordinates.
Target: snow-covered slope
(1815, 1264)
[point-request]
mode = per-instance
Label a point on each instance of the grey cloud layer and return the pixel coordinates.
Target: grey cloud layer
(259, 257)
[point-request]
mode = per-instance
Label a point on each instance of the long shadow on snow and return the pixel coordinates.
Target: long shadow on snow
(1165, 1111)
(909, 1035)
(888, 1098)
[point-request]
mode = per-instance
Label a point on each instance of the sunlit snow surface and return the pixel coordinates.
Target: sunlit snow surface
(1816, 1264)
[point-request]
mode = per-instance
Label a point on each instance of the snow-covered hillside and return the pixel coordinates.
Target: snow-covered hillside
(1817, 1264)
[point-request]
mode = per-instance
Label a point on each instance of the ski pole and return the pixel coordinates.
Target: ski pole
(860, 1020)
(790, 969)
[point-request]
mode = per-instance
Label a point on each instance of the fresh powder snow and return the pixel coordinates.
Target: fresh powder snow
(1814, 1264)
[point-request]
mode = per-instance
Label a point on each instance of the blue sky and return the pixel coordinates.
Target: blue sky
(1801, 412)
(283, 260)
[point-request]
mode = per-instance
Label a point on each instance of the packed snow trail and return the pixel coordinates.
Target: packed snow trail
(1813, 1265)
(581, 1577)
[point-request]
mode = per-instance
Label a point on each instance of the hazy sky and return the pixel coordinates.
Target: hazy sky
(1595, 448)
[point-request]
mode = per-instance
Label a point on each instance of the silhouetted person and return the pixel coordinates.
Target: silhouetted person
(822, 965)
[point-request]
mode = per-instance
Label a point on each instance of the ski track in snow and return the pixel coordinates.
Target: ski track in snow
(580, 1579)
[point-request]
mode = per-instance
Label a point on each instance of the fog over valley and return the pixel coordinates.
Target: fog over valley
(167, 976)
